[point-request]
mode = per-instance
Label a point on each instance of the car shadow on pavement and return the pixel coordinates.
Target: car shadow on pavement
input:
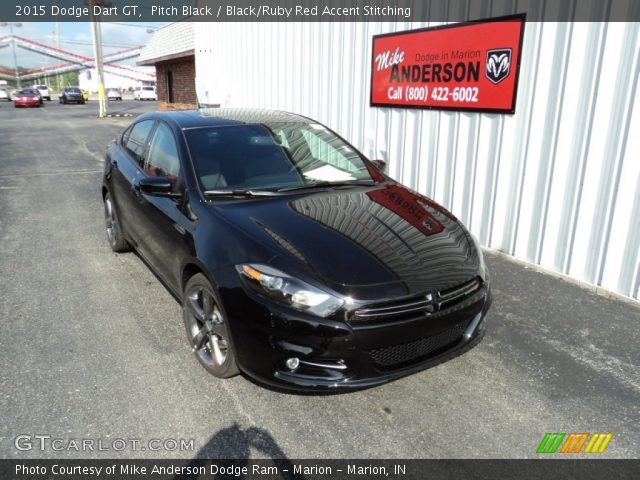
(237, 443)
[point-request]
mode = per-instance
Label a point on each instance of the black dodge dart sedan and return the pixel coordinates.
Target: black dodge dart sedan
(296, 259)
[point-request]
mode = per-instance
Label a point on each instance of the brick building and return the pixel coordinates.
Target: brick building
(171, 51)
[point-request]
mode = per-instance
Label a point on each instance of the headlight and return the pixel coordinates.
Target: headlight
(289, 290)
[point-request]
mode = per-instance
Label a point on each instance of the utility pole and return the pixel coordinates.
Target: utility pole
(57, 33)
(15, 57)
(97, 48)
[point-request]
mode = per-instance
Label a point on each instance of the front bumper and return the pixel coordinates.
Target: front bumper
(27, 103)
(336, 355)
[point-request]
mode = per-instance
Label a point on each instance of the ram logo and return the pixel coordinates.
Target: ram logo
(498, 64)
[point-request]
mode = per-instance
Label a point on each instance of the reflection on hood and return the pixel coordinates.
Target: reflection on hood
(421, 244)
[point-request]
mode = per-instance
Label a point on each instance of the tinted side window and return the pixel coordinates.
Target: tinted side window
(137, 139)
(163, 160)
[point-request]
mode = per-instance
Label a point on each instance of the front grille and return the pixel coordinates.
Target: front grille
(422, 305)
(396, 356)
(449, 297)
(416, 307)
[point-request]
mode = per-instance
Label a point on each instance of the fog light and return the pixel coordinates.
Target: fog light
(293, 363)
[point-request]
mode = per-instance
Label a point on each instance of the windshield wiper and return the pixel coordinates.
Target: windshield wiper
(327, 184)
(240, 193)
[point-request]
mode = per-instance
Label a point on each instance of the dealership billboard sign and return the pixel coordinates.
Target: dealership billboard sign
(469, 66)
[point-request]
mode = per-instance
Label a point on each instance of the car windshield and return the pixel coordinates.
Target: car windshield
(150, 89)
(41, 87)
(27, 91)
(278, 156)
(72, 90)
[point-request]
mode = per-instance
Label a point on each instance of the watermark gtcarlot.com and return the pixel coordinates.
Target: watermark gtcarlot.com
(43, 442)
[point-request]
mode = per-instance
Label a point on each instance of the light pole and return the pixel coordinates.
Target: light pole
(97, 48)
(13, 47)
(57, 35)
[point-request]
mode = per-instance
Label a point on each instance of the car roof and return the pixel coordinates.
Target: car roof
(219, 117)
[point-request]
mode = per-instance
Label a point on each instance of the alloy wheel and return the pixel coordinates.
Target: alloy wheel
(110, 221)
(206, 328)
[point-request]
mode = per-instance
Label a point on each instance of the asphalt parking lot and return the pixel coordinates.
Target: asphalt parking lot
(92, 345)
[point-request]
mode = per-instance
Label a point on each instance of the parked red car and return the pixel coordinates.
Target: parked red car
(27, 97)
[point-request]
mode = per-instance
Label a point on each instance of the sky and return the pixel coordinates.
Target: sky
(75, 37)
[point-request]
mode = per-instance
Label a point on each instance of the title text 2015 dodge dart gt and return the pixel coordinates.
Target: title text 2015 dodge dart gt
(298, 262)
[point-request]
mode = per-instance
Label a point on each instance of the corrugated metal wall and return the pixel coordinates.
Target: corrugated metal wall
(557, 184)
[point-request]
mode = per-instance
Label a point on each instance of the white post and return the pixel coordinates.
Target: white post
(97, 48)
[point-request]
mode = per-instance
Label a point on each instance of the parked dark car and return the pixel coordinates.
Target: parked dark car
(297, 261)
(71, 94)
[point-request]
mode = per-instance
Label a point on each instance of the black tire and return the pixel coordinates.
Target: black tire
(82, 102)
(207, 329)
(115, 235)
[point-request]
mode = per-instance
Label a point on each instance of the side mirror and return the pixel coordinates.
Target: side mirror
(381, 165)
(158, 187)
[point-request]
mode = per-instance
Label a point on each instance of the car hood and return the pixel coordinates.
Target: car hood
(366, 242)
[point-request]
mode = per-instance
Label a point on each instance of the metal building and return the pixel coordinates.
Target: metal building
(556, 184)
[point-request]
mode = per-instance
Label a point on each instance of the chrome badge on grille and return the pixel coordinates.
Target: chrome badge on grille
(429, 308)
